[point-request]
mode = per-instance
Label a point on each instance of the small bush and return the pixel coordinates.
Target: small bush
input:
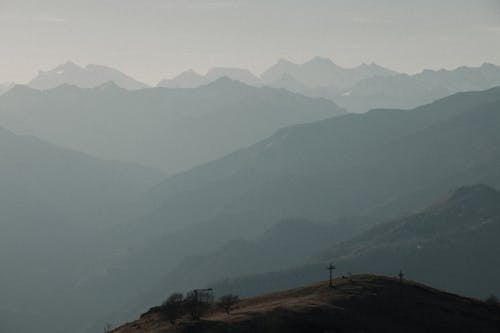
(493, 300)
(173, 307)
(227, 302)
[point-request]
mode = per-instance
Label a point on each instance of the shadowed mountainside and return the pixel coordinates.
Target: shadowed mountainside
(53, 203)
(449, 244)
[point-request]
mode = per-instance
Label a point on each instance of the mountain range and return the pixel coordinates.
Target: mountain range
(169, 129)
(360, 166)
(323, 73)
(344, 166)
(361, 88)
(408, 91)
(90, 76)
(315, 74)
(357, 89)
(253, 172)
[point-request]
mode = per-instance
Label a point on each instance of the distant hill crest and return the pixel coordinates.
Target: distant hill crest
(90, 76)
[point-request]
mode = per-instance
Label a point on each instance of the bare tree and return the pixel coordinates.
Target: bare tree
(173, 307)
(198, 302)
(227, 302)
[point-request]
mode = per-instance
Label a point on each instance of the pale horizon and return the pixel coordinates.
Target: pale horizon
(159, 39)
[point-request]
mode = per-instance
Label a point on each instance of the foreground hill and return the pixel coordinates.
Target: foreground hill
(364, 303)
(450, 244)
(171, 129)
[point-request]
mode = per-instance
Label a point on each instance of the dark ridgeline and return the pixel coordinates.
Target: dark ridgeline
(365, 303)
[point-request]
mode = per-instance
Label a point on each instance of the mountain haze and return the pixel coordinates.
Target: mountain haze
(344, 166)
(350, 165)
(170, 129)
(54, 203)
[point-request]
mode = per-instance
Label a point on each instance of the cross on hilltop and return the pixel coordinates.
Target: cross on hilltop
(331, 268)
(401, 276)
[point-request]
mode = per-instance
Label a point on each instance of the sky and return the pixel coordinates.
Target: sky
(155, 39)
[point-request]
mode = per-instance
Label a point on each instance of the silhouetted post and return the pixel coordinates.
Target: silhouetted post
(401, 276)
(331, 268)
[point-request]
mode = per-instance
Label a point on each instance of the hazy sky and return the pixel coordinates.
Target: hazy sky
(153, 39)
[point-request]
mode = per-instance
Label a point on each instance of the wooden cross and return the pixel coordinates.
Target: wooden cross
(331, 268)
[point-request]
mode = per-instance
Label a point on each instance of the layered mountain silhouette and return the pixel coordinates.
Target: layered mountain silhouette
(358, 89)
(363, 303)
(449, 244)
(171, 129)
(314, 77)
(407, 91)
(89, 76)
(344, 166)
(351, 165)
(187, 79)
(322, 73)
(191, 79)
(361, 88)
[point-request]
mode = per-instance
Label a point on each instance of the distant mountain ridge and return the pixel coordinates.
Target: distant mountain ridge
(318, 73)
(361, 88)
(323, 73)
(170, 129)
(408, 91)
(357, 89)
(90, 76)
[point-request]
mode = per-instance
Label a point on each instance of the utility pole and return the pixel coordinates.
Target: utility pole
(401, 276)
(331, 268)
